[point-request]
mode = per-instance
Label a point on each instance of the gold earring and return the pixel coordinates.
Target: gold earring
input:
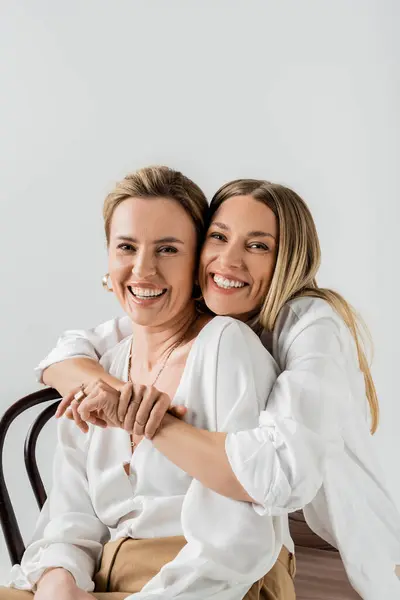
(104, 281)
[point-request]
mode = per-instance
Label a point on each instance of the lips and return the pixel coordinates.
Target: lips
(220, 287)
(227, 282)
(146, 294)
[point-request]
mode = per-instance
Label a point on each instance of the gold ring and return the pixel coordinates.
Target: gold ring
(79, 396)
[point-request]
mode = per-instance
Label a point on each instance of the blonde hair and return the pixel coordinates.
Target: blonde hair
(297, 263)
(156, 182)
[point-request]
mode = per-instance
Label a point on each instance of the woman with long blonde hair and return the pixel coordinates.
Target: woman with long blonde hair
(312, 448)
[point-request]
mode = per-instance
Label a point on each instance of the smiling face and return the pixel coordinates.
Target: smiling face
(238, 257)
(152, 253)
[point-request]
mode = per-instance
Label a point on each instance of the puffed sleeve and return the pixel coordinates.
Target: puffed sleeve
(229, 546)
(280, 463)
(68, 533)
(86, 343)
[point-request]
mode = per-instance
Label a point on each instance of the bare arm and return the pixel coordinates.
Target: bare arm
(71, 373)
(201, 454)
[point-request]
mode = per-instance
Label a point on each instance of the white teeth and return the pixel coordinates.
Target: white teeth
(222, 282)
(146, 292)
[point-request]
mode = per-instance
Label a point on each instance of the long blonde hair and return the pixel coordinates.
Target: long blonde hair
(297, 263)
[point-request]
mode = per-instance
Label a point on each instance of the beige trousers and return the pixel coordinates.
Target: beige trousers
(127, 565)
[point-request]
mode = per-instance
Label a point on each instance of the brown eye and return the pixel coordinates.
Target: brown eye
(217, 236)
(126, 247)
(258, 246)
(167, 250)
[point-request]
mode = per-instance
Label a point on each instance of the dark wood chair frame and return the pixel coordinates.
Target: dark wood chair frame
(11, 531)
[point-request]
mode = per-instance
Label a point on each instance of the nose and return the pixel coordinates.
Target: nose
(231, 256)
(143, 265)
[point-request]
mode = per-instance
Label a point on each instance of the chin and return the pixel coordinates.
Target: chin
(141, 317)
(220, 307)
(142, 320)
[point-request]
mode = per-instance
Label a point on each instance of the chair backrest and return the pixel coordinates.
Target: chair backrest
(11, 531)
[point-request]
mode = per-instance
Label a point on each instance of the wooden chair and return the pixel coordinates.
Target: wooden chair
(11, 531)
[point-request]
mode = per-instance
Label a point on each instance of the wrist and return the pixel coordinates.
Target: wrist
(166, 422)
(118, 385)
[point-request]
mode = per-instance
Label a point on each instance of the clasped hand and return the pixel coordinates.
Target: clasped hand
(139, 409)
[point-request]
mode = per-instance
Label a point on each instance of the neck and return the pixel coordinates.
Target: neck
(151, 344)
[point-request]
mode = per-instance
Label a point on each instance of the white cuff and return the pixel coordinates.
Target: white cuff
(79, 349)
(58, 555)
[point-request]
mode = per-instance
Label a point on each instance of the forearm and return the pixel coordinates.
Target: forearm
(72, 372)
(201, 454)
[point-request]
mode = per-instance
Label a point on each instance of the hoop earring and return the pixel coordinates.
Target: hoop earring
(104, 281)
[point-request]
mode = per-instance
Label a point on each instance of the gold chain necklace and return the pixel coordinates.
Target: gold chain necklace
(174, 347)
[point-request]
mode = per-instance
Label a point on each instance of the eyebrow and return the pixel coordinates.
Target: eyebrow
(255, 233)
(164, 240)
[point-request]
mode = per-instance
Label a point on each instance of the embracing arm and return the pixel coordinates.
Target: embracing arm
(201, 454)
(236, 377)
(278, 464)
(69, 374)
(83, 349)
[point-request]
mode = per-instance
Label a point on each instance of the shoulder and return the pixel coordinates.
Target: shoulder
(311, 306)
(124, 326)
(111, 332)
(303, 312)
(229, 330)
(116, 354)
(234, 360)
(235, 343)
(307, 325)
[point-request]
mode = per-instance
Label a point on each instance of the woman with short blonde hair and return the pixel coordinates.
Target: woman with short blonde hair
(121, 518)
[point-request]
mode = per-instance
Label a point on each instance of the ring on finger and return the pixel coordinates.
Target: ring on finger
(79, 396)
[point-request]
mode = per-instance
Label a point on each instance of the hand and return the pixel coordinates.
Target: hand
(138, 409)
(59, 583)
(103, 402)
(148, 408)
(176, 411)
(69, 406)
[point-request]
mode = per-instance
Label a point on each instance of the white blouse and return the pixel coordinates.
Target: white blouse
(312, 447)
(226, 380)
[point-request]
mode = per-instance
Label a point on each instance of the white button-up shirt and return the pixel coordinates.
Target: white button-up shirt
(227, 378)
